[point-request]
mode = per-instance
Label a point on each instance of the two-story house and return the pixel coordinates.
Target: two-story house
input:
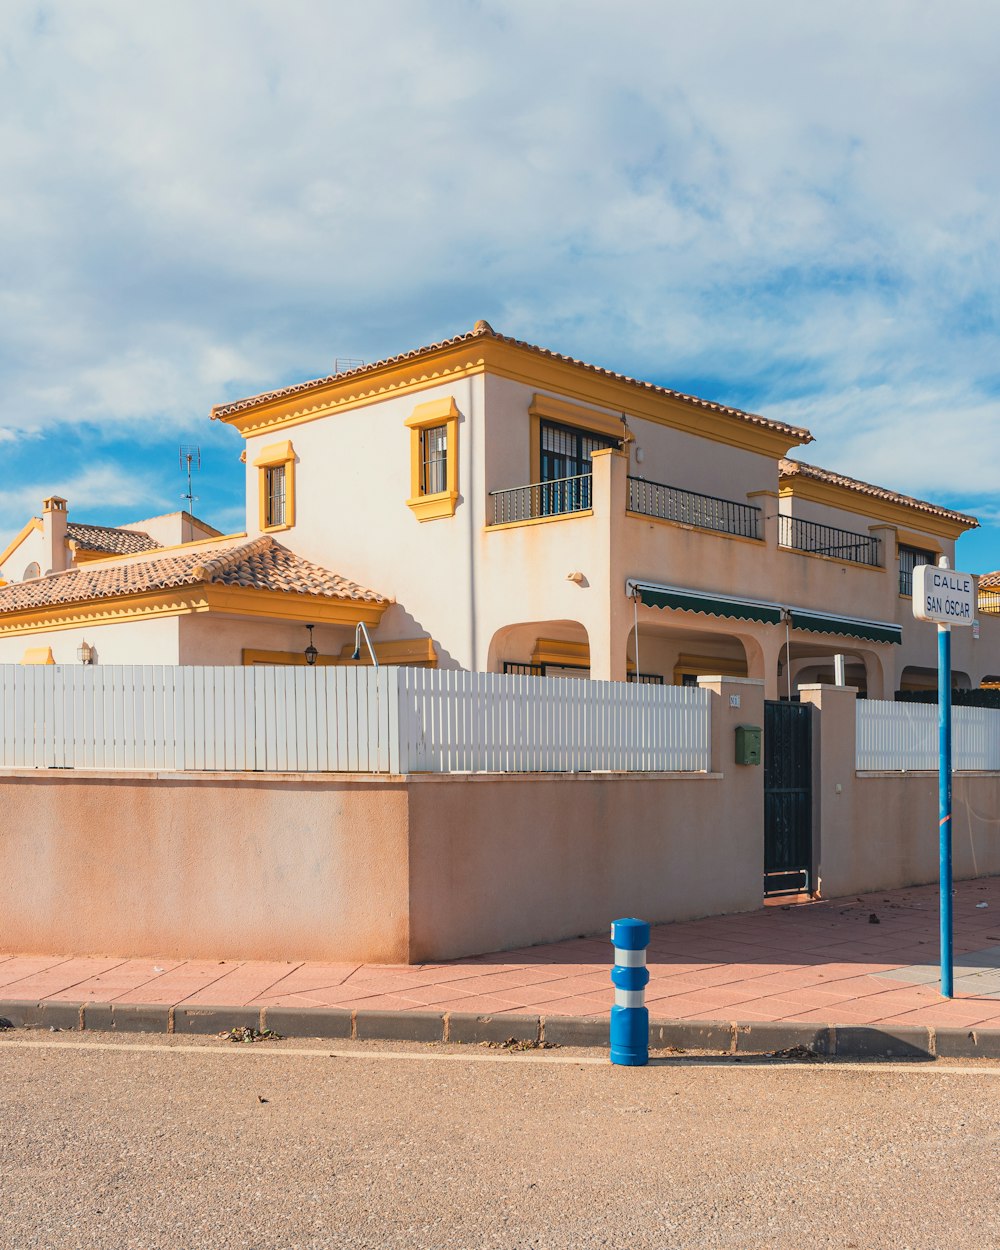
(518, 510)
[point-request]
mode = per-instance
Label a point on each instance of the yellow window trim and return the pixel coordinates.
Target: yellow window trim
(412, 651)
(252, 656)
(921, 542)
(418, 652)
(547, 408)
(424, 416)
(558, 651)
(707, 666)
(276, 456)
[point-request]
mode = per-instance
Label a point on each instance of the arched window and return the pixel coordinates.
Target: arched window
(31, 572)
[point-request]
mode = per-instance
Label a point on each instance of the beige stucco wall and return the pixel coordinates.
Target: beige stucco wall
(31, 550)
(212, 638)
(352, 481)
(381, 869)
(149, 640)
(495, 864)
(880, 830)
(204, 867)
(171, 529)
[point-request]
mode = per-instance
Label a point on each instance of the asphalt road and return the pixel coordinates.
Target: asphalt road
(149, 1143)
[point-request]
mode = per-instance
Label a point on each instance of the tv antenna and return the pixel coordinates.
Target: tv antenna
(190, 459)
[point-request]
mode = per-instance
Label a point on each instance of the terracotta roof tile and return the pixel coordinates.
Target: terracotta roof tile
(990, 581)
(483, 330)
(797, 468)
(260, 563)
(110, 540)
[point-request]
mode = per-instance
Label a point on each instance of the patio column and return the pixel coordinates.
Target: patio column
(611, 623)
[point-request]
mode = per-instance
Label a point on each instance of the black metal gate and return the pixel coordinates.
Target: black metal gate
(787, 798)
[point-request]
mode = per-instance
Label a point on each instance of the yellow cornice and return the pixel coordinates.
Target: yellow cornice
(434, 369)
(34, 524)
(885, 510)
(185, 600)
(109, 611)
(247, 601)
(519, 364)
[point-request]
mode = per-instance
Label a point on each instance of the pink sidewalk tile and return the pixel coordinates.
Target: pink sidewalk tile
(487, 1004)
(242, 986)
(309, 976)
(18, 968)
(959, 1014)
(63, 977)
(180, 982)
(584, 1005)
(106, 987)
(726, 999)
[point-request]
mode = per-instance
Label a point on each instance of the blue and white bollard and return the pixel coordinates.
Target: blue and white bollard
(629, 1017)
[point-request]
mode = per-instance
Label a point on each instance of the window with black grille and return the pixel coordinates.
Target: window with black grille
(434, 459)
(909, 559)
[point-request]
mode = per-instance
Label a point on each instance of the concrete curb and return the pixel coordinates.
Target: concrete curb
(718, 1037)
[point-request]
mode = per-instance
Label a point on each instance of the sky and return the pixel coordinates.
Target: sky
(790, 208)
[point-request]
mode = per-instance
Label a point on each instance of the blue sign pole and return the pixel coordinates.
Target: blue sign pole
(944, 808)
(629, 1015)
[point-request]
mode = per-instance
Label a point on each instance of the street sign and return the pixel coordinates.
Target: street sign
(943, 595)
(947, 597)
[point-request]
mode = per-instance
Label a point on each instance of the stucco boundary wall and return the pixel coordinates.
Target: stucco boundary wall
(388, 869)
(418, 868)
(879, 830)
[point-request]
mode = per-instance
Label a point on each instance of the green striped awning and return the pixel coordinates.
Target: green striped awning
(655, 596)
(711, 605)
(846, 627)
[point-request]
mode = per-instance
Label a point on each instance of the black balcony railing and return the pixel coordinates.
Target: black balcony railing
(827, 540)
(670, 503)
(541, 499)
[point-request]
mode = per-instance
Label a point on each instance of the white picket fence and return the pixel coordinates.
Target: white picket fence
(398, 720)
(904, 736)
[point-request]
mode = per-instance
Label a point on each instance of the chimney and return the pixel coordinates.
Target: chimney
(55, 555)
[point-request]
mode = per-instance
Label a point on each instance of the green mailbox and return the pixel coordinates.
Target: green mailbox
(747, 744)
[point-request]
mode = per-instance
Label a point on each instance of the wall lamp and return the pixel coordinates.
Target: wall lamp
(311, 652)
(85, 653)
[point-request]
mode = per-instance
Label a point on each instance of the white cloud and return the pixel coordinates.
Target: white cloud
(796, 206)
(92, 487)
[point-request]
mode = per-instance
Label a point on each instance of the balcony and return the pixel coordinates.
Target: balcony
(670, 503)
(541, 499)
(827, 540)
